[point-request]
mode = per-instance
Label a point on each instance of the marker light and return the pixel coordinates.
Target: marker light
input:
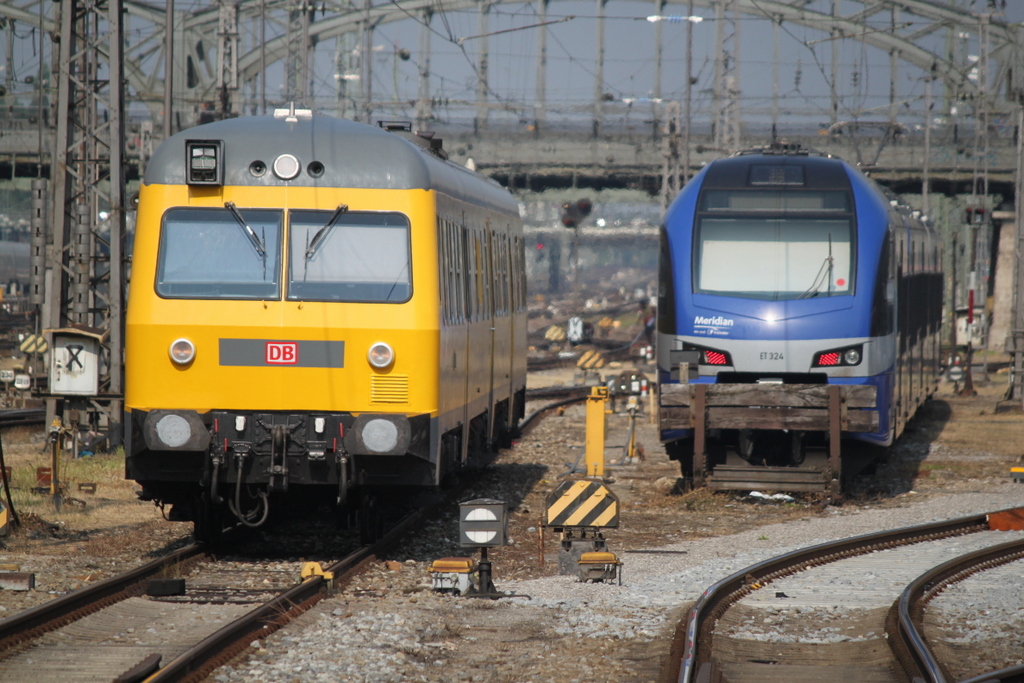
(286, 167)
(182, 351)
(204, 162)
(715, 358)
(380, 355)
(851, 355)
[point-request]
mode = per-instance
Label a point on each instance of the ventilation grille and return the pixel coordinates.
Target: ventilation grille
(389, 389)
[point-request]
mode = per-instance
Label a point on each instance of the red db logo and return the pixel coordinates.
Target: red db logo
(282, 353)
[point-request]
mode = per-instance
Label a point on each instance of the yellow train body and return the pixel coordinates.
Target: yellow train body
(239, 391)
(412, 328)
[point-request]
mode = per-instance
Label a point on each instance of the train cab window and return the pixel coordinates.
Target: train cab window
(774, 245)
(360, 256)
(217, 253)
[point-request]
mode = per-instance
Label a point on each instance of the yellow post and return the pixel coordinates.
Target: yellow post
(596, 431)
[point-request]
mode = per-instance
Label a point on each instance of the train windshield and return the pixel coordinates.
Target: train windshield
(206, 253)
(774, 245)
(361, 256)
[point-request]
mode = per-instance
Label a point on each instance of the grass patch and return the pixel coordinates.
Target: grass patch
(105, 471)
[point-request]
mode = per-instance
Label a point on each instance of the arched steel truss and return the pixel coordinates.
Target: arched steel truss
(905, 39)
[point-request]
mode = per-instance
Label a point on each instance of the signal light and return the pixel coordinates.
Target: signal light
(974, 215)
(573, 213)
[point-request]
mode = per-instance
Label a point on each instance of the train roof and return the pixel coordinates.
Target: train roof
(354, 155)
(819, 172)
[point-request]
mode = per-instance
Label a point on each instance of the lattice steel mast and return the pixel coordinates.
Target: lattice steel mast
(84, 282)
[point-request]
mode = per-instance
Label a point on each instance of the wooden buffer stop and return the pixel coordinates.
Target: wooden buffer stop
(797, 408)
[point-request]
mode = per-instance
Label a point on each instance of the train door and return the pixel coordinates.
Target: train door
(899, 391)
(490, 297)
(468, 291)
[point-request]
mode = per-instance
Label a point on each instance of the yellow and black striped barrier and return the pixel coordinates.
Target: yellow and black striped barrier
(582, 503)
(591, 360)
(555, 333)
(33, 343)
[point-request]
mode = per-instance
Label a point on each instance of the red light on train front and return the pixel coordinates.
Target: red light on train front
(845, 357)
(715, 358)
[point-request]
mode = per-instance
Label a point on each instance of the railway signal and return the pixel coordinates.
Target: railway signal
(483, 523)
(573, 213)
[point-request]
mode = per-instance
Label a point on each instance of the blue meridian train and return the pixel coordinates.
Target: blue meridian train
(781, 266)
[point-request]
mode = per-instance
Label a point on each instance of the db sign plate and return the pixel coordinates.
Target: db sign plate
(282, 353)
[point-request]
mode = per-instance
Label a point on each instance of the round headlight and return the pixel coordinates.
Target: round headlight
(173, 430)
(851, 357)
(286, 167)
(182, 351)
(380, 355)
(380, 435)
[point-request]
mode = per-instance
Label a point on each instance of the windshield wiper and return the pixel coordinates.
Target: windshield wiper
(257, 243)
(826, 270)
(321, 234)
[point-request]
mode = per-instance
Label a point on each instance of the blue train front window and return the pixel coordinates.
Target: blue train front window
(349, 256)
(217, 253)
(774, 245)
(773, 258)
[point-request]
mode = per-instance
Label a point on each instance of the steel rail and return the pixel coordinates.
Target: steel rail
(922, 663)
(530, 420)
(695, 650)
(22, 416)
(220, 647)
(61, 611)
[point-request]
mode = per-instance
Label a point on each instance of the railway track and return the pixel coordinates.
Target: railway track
(22, 416)
(112, 631)
(832, 611)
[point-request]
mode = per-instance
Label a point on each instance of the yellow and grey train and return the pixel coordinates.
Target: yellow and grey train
(317, 307)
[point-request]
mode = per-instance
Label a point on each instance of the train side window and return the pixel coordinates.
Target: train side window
(504, 284)
(490, 301)
(442, 271)
(452, 274)
(470, 273)
(521, 273)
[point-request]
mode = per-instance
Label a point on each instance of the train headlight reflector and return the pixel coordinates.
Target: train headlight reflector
(239, 423)
(380, 435)
(852, 356)
(318, 425)
(286, 167)
(173, 430)
(182, 351)
(380, 355)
